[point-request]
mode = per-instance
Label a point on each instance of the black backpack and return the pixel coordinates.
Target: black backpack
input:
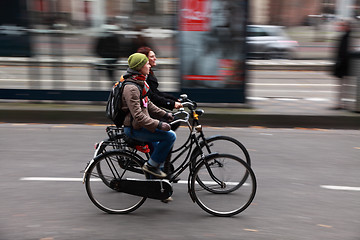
(114, 103)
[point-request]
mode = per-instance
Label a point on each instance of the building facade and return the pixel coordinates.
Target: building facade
(164, 12)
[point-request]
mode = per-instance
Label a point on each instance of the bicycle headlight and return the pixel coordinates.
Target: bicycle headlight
(199, 112)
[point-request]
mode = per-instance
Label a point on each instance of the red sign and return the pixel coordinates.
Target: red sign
(195, 15)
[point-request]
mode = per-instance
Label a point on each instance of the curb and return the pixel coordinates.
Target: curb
(211, 119)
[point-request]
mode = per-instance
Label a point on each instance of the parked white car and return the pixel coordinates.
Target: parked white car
(269, 42)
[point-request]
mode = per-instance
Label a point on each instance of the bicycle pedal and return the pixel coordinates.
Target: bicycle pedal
(169, 177)
(176, 180)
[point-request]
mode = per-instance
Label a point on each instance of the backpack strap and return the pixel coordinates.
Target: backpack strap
(125, 82)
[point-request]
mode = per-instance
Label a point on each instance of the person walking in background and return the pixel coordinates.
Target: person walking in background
(107, 47)
(159, 98)
(342, 60)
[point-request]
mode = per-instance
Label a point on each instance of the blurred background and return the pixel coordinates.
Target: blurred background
(51, 44)
(277, 55)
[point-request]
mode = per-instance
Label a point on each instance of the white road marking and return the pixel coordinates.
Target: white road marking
(342, 188)
(288, 91)
(51, 179)
(59, 179)
(287, 99)
(295, 84)
(317, 99)
(258, 98)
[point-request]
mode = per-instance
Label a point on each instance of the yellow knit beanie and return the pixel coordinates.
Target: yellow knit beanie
(137, 60)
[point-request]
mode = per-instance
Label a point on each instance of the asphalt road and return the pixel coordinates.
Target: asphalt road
(308, 188)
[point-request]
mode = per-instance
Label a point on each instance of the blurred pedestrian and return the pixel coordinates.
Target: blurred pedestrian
(107, 47)
(342, 59)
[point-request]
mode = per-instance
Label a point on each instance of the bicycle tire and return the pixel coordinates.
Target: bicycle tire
(222, 202)
(99, 169)
(219, 144)
(116, 143)
(103, 196)
(227, 144)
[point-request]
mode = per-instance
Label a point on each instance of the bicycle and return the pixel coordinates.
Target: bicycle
(117, 139)
(221, 184)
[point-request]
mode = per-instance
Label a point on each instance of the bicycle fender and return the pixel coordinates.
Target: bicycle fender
(204, 158)
(87, 168)
(191, 172)
(202, 144)
(99, 147)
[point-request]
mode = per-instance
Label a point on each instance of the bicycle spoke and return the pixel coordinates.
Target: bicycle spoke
(104, 176)
(233, 195)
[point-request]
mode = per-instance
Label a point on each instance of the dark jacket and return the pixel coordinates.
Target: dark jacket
(160, 99)
(140, 115)
(342, 58)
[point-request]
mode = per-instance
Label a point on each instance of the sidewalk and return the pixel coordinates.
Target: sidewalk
(266, 113)
(87, 61)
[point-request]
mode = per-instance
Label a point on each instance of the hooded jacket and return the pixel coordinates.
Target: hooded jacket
(142, 113)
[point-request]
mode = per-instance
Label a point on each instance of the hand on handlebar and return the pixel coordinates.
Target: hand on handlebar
(164, 126)
(178, 105)
(186, 102)
(169, 117)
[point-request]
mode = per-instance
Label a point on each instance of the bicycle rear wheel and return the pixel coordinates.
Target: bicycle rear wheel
(112, 167)
(223, 185)
(117, 142)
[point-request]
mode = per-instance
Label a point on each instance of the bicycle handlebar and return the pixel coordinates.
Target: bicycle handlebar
(191, 105)
(185, 120)
(188, 104)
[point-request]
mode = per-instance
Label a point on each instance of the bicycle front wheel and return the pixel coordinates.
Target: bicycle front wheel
(104, 177)
(219, 187)
(226, 144)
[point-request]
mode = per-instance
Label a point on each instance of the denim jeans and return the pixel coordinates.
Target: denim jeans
(162, 141)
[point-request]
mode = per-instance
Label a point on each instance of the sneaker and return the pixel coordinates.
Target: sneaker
(153, 170)
(169, 199)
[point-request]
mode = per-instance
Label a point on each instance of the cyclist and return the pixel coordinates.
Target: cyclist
(142, 122)
(159, 98)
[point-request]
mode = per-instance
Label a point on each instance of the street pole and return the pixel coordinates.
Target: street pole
(98, 13)
(344, 9)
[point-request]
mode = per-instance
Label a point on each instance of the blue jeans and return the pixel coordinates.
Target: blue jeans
(162, 141)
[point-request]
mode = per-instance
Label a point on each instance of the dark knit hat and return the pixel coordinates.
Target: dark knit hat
(137, 60)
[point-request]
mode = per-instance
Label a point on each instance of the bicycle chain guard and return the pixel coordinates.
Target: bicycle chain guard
(159, 189)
